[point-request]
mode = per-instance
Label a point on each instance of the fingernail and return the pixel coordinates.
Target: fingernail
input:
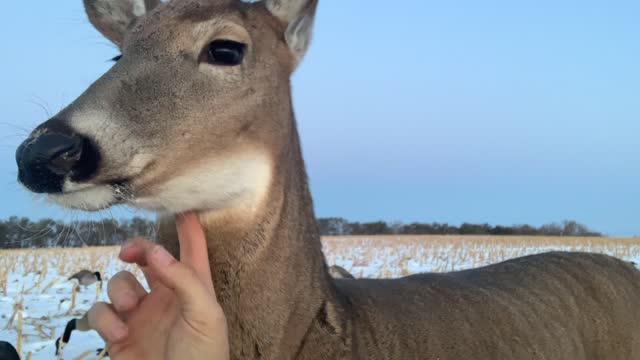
(161, 257)
(118, 332)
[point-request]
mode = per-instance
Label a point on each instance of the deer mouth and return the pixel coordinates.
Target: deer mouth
(92, 197)
(238, 181)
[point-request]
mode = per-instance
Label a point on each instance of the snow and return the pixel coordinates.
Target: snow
(37, 279)
(46, 311)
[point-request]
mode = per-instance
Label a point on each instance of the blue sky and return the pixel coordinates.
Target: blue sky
(497, 111)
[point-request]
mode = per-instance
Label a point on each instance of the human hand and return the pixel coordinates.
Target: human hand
(180, 318)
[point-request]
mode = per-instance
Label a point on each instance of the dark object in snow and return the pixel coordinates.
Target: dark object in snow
(8, 352)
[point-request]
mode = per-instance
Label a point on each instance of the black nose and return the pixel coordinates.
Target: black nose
(47, 160)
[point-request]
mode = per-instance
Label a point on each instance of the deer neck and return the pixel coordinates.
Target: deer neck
(269, 272)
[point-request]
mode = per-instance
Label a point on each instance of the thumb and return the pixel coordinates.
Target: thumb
(193, 296)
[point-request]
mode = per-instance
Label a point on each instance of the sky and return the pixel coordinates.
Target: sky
(502, 112)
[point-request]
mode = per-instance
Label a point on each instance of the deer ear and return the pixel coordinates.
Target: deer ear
(112, 17)
(299, 15)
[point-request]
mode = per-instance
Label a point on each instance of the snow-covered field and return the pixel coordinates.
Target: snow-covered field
(391, 256)
(36, 300)
(34, 282)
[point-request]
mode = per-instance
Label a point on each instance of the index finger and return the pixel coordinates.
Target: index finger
(193, 246)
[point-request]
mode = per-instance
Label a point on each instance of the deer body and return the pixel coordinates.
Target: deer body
(197, 116)
(551, 306)
(282, 304)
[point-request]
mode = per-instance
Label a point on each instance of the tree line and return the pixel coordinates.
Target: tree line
(21, 232)
(340, 226)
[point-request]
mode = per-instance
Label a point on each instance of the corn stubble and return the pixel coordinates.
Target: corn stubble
(385, 256)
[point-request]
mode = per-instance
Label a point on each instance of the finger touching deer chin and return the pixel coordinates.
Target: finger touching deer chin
(240, 181)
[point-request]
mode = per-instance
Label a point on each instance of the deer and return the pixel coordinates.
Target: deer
(197, 115)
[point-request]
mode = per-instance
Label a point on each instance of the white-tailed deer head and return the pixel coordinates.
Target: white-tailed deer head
(192, 115)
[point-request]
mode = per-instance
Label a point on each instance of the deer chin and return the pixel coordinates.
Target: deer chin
(88, 198)
(238, 182)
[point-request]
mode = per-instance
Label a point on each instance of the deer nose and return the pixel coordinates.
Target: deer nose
(46, 161)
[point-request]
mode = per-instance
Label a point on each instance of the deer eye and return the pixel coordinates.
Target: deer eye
(225, 52)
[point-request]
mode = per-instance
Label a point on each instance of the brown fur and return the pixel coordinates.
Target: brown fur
(264, 246)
